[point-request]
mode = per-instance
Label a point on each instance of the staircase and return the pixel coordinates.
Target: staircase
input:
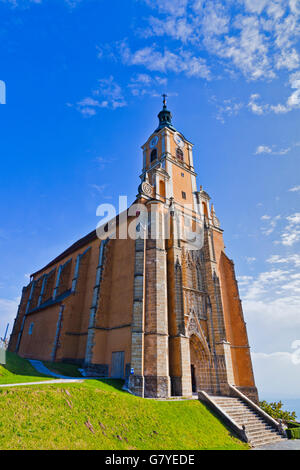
(259, 431)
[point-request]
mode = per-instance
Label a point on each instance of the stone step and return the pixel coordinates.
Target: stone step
(262, 426)
(246, 419)
(251, 420)
(266, 440)
(229, 402)
(258, 429)
(240, 411)
(258, 433)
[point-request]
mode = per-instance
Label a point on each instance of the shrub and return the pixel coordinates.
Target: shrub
(293, 433)
(292, 424)
(275, 410)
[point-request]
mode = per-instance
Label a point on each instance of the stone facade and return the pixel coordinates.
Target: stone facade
(162, 310)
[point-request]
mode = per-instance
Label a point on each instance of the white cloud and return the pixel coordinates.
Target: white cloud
(254, 106)
(110, 96)
(166, 61)
(256, 37)
(272, 298)
(276, 375)
(244, 280)
(271, 224)
(111, 92)
(295, 189)
(228, 107)
(250, 259)
(291, 233)
(263, 149)
(144, 84)
(27, 3)
(172, 7)
(292, 102)
(292, 259)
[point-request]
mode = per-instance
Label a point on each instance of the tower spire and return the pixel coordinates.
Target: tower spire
(165, 116)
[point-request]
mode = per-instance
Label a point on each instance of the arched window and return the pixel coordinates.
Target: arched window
(179, 154)
(153, 155)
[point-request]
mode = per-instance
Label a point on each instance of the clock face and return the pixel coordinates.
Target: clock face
(178, 140)
(154, 141)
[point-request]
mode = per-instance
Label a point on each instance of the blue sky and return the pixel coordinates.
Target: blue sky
(84, 80)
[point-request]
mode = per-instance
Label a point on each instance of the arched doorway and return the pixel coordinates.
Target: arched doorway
(201, 366)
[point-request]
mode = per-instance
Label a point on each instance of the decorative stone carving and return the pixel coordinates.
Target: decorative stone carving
(146, 189)
(194, 328)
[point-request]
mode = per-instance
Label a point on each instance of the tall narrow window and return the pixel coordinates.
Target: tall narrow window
(179, 154)
(31, 328)
(162, 189)
(200, 285)
(153, 155)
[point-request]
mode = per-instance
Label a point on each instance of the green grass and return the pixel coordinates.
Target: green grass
(70, 370)
(99, 415)
(18, 370)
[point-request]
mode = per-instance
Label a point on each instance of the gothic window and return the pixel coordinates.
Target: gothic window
(179, 299)
(30, 328)
(190, 274)
(179, 154)
(153, 155)
(200, 285)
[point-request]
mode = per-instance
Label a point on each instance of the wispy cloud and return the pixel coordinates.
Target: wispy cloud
(258, 38)
(27, 3)
(291, 233)
(108, 95)
(270, 222)
(294, 189)
(227, 107)
(291, 103)
(99, 187)
(265, 149)
(144, 84)
(180, 61)
(290, 259)
(273, 295)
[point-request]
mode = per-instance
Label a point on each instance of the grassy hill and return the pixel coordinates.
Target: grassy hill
(97, 414)
(18, 370)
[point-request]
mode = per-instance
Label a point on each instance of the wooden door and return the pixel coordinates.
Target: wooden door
(117, 365)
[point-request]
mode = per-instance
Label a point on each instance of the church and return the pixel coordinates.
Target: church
(160, 309)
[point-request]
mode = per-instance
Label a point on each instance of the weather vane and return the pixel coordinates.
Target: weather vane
(164, 99)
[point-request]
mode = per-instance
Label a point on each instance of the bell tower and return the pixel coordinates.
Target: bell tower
(188, 330)
(168, 163)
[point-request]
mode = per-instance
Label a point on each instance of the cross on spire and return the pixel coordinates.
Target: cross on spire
(164, 99)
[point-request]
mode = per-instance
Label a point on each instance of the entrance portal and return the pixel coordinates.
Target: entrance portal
(201, 366)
